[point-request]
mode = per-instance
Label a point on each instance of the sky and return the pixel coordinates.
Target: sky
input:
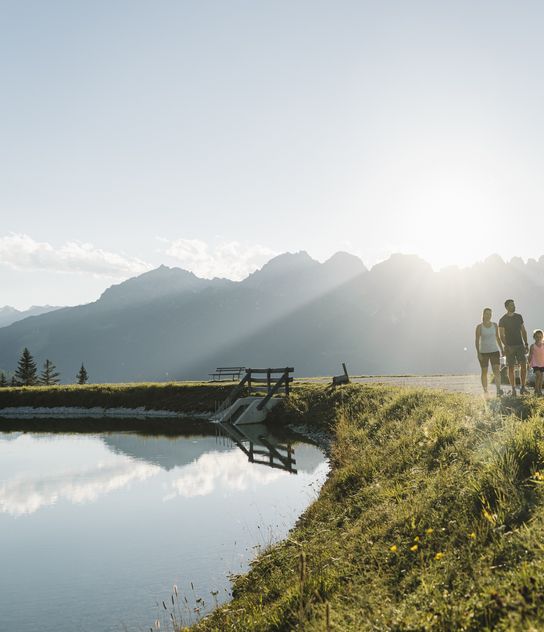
(214, 135)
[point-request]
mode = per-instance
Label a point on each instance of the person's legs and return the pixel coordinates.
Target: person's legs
(497, 373)
(538, 382)
(512, 379)
(522, 359)
(511, 362)
(484, 379)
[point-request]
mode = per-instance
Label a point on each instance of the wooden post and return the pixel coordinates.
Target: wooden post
(249, 380)
(286, 375)
(268, 380)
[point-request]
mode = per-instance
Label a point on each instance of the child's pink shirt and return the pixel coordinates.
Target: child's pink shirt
(537, 357)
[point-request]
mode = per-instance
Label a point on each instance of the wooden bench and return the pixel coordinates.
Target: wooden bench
(226, 373)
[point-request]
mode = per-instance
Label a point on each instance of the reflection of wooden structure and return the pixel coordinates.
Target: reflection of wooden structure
(260, 448)
(270, 382)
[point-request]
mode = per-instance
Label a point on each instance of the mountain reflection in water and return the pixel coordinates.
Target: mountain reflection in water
(104, 524)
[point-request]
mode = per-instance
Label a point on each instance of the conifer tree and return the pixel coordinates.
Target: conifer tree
(49, 374)
(82, 375)
(27, 372)
(14, 382)
(3, 380)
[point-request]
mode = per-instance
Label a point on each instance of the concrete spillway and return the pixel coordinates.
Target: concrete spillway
(245, 410)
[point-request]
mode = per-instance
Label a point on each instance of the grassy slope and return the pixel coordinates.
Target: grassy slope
(432, 519)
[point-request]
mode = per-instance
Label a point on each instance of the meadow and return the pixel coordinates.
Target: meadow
(431, 519)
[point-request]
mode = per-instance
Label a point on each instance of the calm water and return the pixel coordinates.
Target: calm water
(96, 529)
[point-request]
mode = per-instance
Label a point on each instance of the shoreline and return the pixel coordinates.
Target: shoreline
(96, 412)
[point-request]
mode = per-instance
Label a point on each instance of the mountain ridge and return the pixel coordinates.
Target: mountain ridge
(399, 316)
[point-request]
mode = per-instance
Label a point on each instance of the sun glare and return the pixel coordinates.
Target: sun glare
(452, 222)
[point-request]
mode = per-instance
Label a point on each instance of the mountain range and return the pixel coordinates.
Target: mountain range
(398, 317)
(9, 315)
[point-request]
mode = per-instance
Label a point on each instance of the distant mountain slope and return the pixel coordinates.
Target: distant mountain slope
(399, 317)
(9, 315)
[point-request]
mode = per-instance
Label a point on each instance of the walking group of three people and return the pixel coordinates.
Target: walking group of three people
(509, 339)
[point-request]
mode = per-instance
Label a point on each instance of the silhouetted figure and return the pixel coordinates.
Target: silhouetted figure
(536, 359)
(489, 349)
(514, 338)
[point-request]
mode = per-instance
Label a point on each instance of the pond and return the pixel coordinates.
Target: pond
(97, 529)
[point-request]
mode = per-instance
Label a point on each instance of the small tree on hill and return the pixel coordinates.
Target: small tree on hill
(49, 374)
(3, 380)
(27, 372)
(82, 375)
(13, 382)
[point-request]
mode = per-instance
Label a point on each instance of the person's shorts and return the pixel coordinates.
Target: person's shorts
(486, 358)
(538, 368)
(516, 355)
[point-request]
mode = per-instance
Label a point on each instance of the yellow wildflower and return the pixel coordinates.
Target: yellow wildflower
(414, 548)
(416, 539)
(472, 536)
(439, 556)
(492, 518)
(429, 531)
(393, 548)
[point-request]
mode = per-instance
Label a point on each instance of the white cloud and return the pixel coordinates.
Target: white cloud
(21, 252)
(228, 471)
(25, 495)
(229, 259)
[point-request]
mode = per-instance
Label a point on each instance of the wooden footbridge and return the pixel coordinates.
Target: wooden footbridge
(240, 409)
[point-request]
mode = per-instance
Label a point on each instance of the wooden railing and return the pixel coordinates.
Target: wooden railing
(273, 383)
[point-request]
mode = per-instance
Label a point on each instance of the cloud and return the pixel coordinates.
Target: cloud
(25, 495)
(229, 259)
(228, 471)
(21, 252)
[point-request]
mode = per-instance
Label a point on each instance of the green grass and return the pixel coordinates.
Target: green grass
(177, 396)
(432, 519)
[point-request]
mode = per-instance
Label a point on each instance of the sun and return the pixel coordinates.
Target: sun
(452, 222)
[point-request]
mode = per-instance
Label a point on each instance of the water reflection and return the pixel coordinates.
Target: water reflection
(89, 468)
(260, 446)
(26, 494)
(105, 523)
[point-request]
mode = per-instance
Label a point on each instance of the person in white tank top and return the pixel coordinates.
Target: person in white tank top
(536, 359)
(489, 349)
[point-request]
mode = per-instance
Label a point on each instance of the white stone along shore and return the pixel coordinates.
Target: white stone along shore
(73, 412)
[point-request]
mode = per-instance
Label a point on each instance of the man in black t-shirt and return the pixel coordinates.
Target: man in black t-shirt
(514, 338)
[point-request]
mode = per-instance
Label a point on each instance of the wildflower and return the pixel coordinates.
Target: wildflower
(416, 539)
(492, 518)
(439, 556)
(393, 548)
(472, 536)
(414, 548)
(429, 531)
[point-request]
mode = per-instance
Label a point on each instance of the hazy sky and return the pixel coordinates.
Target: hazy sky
(212, 135)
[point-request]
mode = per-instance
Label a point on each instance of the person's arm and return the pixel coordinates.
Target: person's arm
(502, 334)
(477, 339)
(524, 335)
(530, 354)
(499, 341)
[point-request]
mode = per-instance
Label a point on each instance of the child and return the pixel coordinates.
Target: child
(536, 359)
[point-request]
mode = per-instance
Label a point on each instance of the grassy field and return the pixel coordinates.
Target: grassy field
(432, 519)
(177, 396)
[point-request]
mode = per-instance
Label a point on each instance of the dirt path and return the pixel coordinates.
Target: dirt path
(459, 383)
